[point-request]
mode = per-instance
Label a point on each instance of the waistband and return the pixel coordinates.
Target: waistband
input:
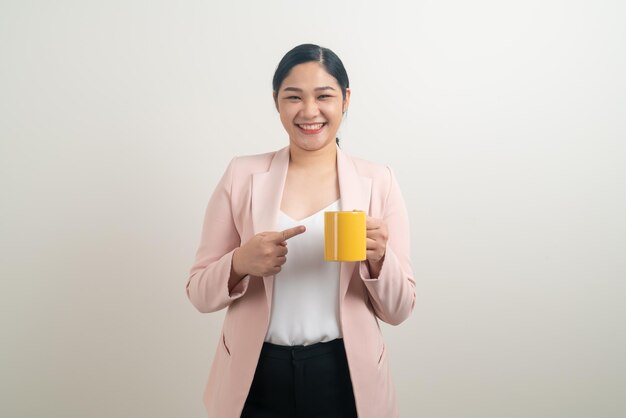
(301, 352)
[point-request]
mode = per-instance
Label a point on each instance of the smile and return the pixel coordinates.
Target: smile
(311, 128)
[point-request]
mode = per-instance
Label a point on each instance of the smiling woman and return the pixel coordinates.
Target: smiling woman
(311, 105)
(313, 80)
(301, 335)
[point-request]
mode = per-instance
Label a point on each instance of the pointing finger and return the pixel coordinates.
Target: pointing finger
(292, 232)
(289, 233)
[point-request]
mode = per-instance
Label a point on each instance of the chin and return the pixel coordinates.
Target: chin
(313, 144)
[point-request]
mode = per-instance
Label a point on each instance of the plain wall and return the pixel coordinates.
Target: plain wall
(503, 121)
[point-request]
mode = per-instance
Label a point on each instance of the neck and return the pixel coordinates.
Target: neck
(325, 157)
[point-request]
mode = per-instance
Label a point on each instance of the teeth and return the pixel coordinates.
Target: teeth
(312, 126)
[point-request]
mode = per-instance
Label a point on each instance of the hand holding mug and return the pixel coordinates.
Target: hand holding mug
(377, 236)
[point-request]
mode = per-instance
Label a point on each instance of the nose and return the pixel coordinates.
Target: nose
(309, 109)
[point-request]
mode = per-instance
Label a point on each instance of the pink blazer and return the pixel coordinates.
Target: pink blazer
(246, 202)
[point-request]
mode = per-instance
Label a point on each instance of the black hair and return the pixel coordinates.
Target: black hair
(308, 53)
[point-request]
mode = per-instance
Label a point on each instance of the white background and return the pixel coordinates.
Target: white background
(504, 122)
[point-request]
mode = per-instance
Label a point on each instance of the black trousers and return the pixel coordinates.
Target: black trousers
(301, 382)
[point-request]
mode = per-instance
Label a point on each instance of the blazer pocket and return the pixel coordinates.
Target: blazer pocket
(224, 345)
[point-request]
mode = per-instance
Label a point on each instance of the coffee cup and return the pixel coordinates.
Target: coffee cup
(345, 236)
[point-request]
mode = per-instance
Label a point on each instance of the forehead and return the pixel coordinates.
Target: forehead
(309, 75)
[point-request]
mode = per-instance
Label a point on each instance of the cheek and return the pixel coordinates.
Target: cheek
(285, 118)
(333, 110)
(287, 114)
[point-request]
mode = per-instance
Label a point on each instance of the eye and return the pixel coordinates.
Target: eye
(325, 96)
(292, 98)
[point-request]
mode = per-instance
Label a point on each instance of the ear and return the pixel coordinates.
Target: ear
(275, 97)
(346, 101)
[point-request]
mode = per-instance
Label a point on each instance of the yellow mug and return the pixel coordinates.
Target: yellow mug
(344, 236)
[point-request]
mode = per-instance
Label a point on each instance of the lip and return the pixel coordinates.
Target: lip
(311, 131)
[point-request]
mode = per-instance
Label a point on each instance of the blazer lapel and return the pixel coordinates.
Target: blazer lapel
(267, 192)
(355, 193)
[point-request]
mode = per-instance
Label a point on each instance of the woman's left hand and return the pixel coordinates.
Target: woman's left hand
(377, 235)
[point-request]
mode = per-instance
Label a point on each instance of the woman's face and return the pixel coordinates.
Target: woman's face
(311, 106)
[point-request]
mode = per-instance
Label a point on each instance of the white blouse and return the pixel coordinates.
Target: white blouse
(305, 302)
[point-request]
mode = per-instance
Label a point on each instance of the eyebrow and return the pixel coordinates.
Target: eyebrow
(316, 88)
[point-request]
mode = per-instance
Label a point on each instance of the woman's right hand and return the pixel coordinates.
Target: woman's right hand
(263, 254)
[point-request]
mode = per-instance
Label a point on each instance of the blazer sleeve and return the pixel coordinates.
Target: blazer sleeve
(207, 285)
(392, 293)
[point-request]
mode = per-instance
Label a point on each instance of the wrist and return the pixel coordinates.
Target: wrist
(236, 270)
(375, 267)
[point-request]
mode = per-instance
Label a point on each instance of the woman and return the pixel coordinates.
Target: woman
(301, 335)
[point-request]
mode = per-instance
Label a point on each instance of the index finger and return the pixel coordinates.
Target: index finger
(289, 233)
(292, 232)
